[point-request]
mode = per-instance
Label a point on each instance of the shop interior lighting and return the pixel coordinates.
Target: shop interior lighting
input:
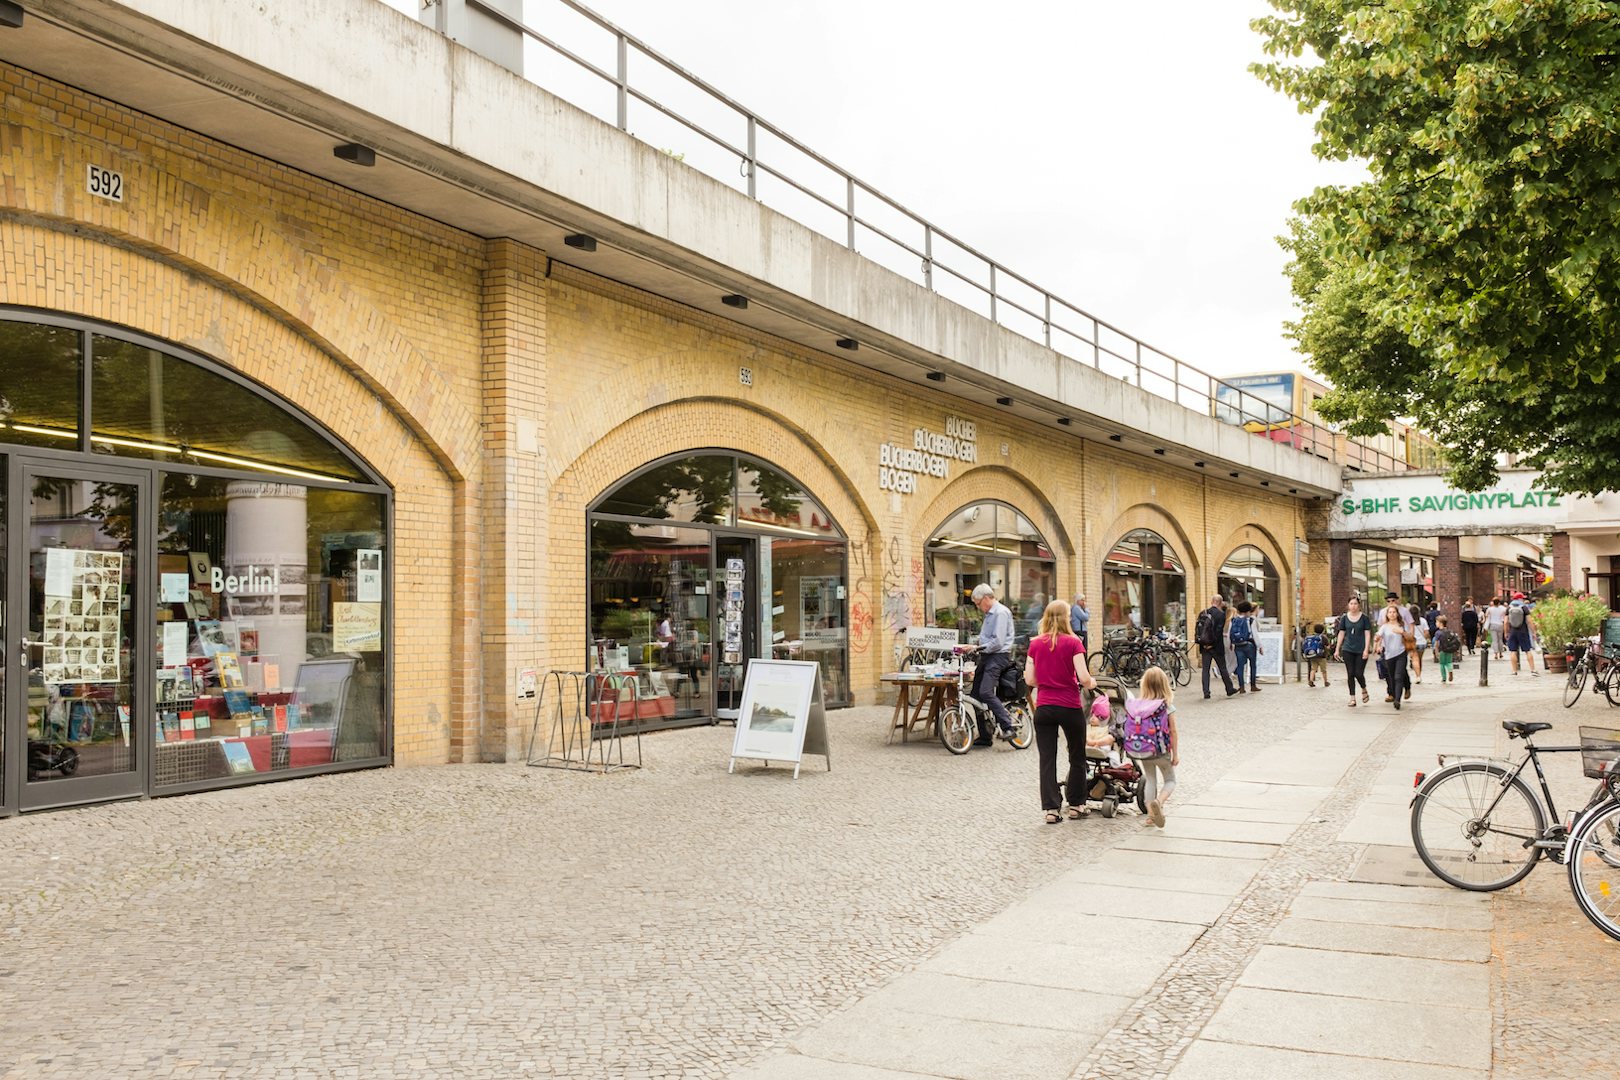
(581, 241)
(55, 433)
(356, 153)
(736, 300)
(848, 343)
(11, 14)
(786, 529)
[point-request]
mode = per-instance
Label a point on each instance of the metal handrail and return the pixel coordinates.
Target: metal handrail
(1217, 397)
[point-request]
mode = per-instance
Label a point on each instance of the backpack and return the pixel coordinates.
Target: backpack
(1241, 629)
(1313, 646)
(1448, 642)
(1205, 632)
(1147, 728)
(1516, 616)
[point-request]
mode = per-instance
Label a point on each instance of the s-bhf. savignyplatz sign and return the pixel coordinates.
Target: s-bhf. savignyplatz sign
(1424, 504)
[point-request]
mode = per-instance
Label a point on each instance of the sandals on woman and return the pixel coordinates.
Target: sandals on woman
(1053, 817)
(1078, 812)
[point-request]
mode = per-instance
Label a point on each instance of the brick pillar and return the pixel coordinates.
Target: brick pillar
(1448, 580)
(514, 523)
(1483, 576)
(1563, 572)
(1339, 575)
(1392, 572)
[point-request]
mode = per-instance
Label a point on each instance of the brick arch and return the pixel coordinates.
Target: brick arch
(122, 285)
(1261, 537)
(1152, 516)
(991, 482)
(368, 372)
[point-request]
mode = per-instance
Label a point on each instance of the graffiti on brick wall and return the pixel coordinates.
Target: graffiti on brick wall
(879, 570)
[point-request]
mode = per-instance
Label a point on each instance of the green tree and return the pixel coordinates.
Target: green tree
(1471, 281)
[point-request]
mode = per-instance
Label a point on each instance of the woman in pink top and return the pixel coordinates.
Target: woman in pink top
(1055, 672)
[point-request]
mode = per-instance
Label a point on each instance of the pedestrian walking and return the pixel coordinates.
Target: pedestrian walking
(1518, 634)
(1420, 640)
(1495, 622)
(1210, 634)
(1394, 639)
(1352, 645)
(1432, 617)
(1150, 741)
(1080, 621)
(1056, 672)
(1470, 624)
(1314, 651)
(1446, 646)
(1240, 631)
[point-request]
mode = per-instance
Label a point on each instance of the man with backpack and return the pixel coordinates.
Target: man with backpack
(1210, 635)
(1244, 647)
(1518, 633)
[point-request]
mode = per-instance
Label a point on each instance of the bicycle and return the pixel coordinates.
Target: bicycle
(1593, 855)
(1477, 825)
(959, 720)
(1600, 664)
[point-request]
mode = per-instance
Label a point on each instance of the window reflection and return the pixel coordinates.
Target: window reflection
(39, 385)
(1247, 574)
(1144, 587)
(696, 489)
(993, 544)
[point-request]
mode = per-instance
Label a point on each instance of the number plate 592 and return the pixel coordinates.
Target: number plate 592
(104, 183)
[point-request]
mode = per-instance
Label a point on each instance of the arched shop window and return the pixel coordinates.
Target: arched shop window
(1248, 575)
(988, 543)
(1144, 585)
(702, 562)
(206, 572)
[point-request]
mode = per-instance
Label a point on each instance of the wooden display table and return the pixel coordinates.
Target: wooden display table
(919, 703)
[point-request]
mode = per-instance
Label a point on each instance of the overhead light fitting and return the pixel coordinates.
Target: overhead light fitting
(1265, 483)
(350, 151)
(1200, 464)
(10, 14)
(1116, 438)
(1293, 491)
(581, 241)
(736, 300)
(1065, 421)
(1003, 401)
(936, 376)
(1233, 475)
(848, 343)
(1159, 450)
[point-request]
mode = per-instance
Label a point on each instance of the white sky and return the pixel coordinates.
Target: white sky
(1118, 154)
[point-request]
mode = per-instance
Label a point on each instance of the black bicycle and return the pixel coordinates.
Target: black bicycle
(1599, 665)
(1593, 854)
(1478, 826)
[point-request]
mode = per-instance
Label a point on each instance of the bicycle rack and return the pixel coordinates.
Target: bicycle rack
(586, 709)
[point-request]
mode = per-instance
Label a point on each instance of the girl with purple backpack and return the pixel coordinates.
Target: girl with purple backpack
(1150, 741)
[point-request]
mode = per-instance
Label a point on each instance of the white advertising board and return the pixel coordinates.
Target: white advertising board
(941, 639)
(781, 717)
(1269, 664)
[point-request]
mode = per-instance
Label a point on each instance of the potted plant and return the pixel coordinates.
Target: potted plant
(1565, 618)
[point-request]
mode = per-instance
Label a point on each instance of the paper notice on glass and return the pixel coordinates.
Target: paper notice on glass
(368, 581)
(356, 627)
(175, 588)
(175, 635)
(59, 571)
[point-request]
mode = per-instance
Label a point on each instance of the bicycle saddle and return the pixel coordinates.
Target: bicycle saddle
(1519, 729)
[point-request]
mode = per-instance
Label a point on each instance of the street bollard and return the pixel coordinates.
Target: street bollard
(1485, 665)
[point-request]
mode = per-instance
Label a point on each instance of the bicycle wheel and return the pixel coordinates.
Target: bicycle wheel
(1606, 681)
(1023, 724)
(1593, 857)
(1183, 669)
(1575, 683)
(1476, 829)
(956, 730)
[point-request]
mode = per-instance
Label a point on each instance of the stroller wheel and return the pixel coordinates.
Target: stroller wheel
(1109, 806)
(1141, 799)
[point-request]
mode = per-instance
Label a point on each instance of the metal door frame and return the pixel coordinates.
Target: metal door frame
(74, 791)
(751, 626)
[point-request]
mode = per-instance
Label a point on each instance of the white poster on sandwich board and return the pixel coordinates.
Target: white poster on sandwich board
(782, 716)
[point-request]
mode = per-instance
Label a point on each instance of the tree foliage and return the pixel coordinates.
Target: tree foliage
(1471, 282)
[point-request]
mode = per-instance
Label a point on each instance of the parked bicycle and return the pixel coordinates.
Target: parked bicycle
(1593, 854)
(1478, 826)
(1128, 653)
(959, 719)
(1598, 664)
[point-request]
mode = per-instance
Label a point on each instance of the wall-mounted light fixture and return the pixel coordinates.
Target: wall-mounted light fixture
(1265, 483)
(1065, 421)
(1233, 475)
(848, 343)
(10, 14)
(1200, 464)
(736, 300)
(581, 241)
(1116, 438)
(355, 153)
(1003, 401)
(936, 376)
(1159, 450)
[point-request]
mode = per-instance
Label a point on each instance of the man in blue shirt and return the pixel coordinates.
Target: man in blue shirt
(1080, 620)
(994, 649)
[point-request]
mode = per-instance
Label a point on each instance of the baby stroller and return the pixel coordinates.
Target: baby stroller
(1115, 779)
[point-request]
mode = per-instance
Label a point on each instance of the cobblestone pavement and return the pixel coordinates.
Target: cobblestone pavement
(496, 921)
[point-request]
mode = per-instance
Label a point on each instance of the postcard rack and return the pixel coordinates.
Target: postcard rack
(585, 713)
